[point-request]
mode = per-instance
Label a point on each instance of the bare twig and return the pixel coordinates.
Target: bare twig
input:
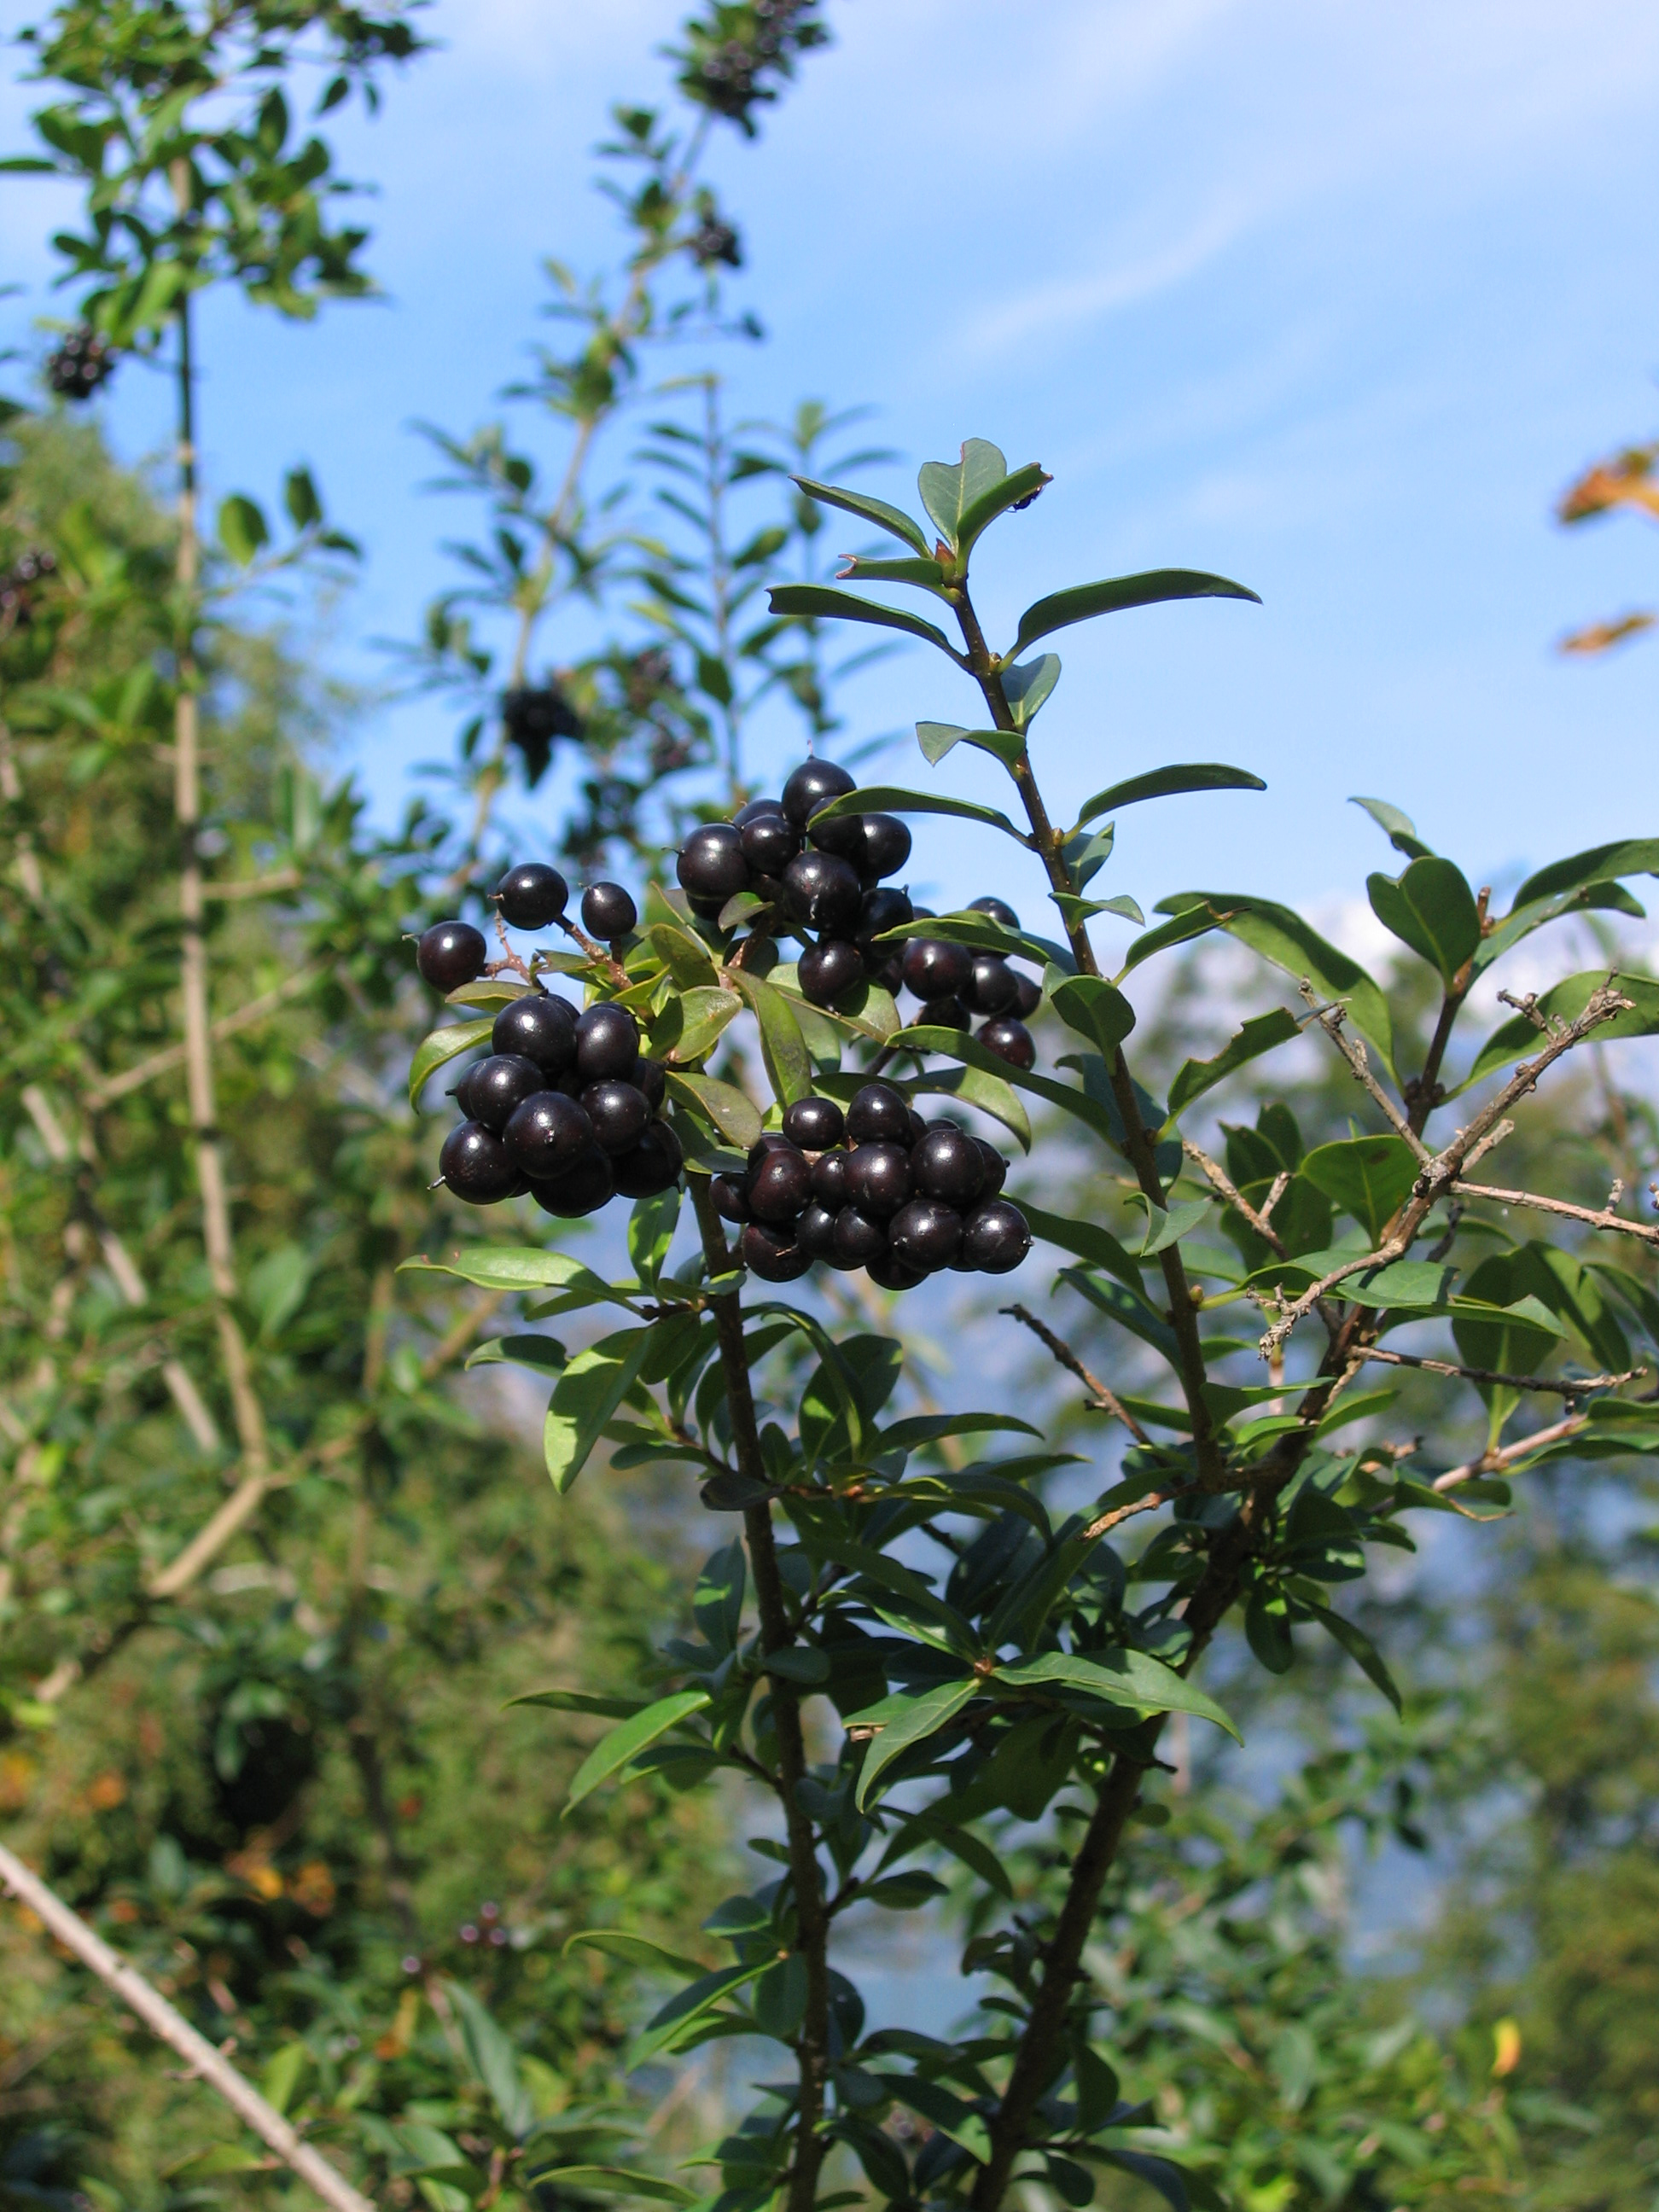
(174, 2030)
(1562, 1387)
(1152, 1500)
(1330, 1020)
(1494, 1463)
(1106, 1400)
(1603, 1218)
(1220, 1180)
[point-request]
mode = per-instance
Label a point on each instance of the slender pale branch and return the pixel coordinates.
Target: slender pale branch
(1221, 1182)
(1494, 1463)
(170, 1056)
(1330, 1020)
(1596, 1217)
(68, 1928)
(1564, 1386)
(1105, 1399)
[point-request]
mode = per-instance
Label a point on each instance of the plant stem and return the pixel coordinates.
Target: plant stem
(812, 2044)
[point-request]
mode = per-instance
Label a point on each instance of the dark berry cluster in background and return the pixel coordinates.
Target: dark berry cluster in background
(565, 1109)
(876, 1187)
(83, 361)
(17, 582)
(822, 881)
(534, 717)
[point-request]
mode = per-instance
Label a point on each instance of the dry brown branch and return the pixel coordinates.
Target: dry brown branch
(158, 1063)
(1330, 1020)
(1494, 1463)
(1221, 1182)
(1106, 1400)
(1602, 1218)
(1147, 1504)
(1561, 1387)
(176, 2031)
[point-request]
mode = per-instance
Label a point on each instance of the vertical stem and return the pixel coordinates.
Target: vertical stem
(812, 2044)
(187, 812)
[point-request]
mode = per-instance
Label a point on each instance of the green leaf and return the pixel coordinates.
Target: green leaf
(1095, 1009)
(691, 1024)
(990, 1094)
(956, 1045)
(1164, 782)
(493, 2062)
(300, 497)
(936, 739)
(686, 957)
(1113, 594)
(821, 603)
(892, 519)
(1262, 1033)
(633, 1950)
(906, 1721)
(996, 499)
(666, 2027)
(1121, 1677)
(586, 1398)
(1399, 829)
(619, 2180)
(580, 1701)
(788, 1064)
(1519, 1039)
(888, 798)
(544, 1353)
(1635, 856)
(722, 1105)
(1431, 907)
(1164, 1228)
(624, 1744)
(1369, 1177)
(985, 934)
(948, 2114)
(517, 1267)
(927, 1827)
(1282, 937)
(927, 575)
(242, 528)
(1359, 1648)
(442, 1046)
(651, 1231)
(1087, 1239)
(951, 489)
(1268, 1629)
(1027, 685)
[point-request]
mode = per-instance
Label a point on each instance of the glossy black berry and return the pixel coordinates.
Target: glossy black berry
(879, 1179)
(548, 1135)
(477, 1166)
(886, 845)
(754, 809)
(999, 909)
(888, 972)
(651, 1077)
(878, 1113)
(943, 1014)
(652, 1166)
(489, 1091)
(769, 1140)
(918, 1127)
(996, 1237)
(619, 1112)
(893, 1274)
(843, 834)
(925, 1234)
(730, 1196)
(823, 892)
(809, 784)
(1009, 1038)
(815, 1232)
(829, 968)
(830, 1180)
(996, 1169)
(772, 1253)
(531, 895)
(780, 1187)
(934, 970)
(75, 369)
(1030, 996)
(584, 1187)
(608, 911)
(539, 1027)
(995, 986)
(711, 864)
(858, 1238)
(814, 1124)
(451, 953)
(771, 842)
(946, 1164)
(607, 1042)
(883, 909)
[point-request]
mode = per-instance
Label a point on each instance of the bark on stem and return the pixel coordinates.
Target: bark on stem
(813, 2045)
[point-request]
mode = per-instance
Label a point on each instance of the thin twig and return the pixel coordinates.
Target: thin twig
(1330, 1020)
(1601, 1218)
(174, 2030)
(1494, 1463)
(157, 1063)
(1106, 1400)
(1221, 1181)
(1563, 1387)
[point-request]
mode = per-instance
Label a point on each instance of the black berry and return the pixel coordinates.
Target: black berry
(753, 811)
(918, 1127)
(823, 892)
(780, 1187)
(843, 835)
(711, 864)
(946, 1164)
(996, 1168)
(584, 1187)
(883, 966)
(943, 1014)
(651, 1077)
(540, 1027)
(730, 1196)
(607, 1042)
(1010, 1039)
(878, 1179)
(923, 1235)
(773, 1254)
(934, 970)
(771, 842)
(996, 1237)
(477, 1166)
(489, 1091)
(769, 1140)
(531, 895)
(858, 1238)
(608, 911)
(892, 1273)
(829, 969)
(830, 1180)
(886, 845)
(652, 1166)
(878, 1112)
(995, 986)
(619, 1112)
(814, 1124)
(815, 1232)
(548, 1135)
(76, 367)
(451, 953)
(809, 784)
(884, 909)
(999, 910)
(1030, 996)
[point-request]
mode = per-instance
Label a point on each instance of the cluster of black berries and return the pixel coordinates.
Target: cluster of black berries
(729, 77)
(533, 717)
(824, 880)
(16, 582)
(714, 241)
(565, 1109)
(77, 369)
(876, 1187)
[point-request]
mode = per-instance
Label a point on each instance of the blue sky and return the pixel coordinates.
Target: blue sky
(1329, 297)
